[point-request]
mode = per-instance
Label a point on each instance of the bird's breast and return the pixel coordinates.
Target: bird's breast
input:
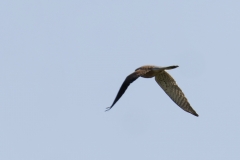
(149, 74)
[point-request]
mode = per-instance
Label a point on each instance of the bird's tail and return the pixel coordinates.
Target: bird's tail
(169, 67)
(163, 68)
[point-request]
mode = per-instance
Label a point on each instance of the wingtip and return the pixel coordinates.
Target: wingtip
(195, 114)
(107, 109)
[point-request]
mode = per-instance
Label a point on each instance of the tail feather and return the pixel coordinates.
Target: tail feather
(170, 67)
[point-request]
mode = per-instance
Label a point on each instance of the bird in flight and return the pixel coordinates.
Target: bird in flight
(164, 80)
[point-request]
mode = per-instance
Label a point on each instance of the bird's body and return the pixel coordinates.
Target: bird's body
(164, 80)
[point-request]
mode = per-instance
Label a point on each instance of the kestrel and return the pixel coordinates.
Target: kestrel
(164, 80)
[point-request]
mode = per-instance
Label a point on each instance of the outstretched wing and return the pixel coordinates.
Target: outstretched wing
(129, 79)
(169, 85)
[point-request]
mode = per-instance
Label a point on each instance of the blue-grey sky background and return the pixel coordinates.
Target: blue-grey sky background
(62, 63)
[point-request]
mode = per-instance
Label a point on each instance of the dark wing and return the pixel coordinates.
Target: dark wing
(129, 79)
(169, 85)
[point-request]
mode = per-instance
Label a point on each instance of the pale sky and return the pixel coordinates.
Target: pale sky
(62, 63)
